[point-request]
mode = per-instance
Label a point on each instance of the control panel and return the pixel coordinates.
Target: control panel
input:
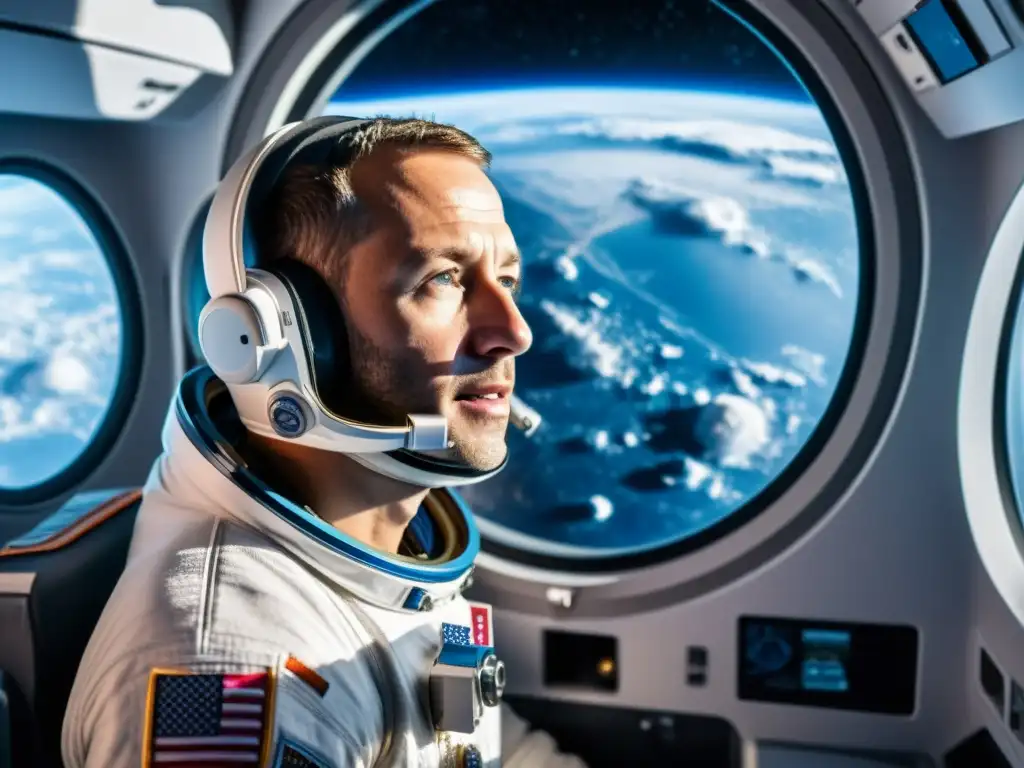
(961, 59)
(863, 667)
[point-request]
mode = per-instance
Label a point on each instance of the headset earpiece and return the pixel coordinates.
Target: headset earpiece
(322, 325)
(233, 340)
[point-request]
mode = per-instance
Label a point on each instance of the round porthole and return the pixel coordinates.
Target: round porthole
(65, 373)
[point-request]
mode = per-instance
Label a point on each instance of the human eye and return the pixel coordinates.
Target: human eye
(513, 284)
(446, 279)
(439, 284)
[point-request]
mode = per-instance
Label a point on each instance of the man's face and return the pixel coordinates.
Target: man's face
(429, 298)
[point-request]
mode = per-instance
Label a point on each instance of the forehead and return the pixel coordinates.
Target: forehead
(431, 193)
(474, 202)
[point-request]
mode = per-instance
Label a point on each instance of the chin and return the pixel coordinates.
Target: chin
(479, 454)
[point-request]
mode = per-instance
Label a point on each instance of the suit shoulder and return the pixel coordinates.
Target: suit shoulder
(202, 577)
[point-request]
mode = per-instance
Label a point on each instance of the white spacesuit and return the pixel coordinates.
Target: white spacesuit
(219, 587)
(244, 629)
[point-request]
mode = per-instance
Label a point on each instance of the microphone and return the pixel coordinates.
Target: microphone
(523, 417)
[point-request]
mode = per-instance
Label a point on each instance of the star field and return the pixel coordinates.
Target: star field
(466, 43)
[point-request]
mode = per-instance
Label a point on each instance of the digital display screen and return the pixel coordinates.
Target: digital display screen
(945, 38)
(826, 656)
(866, 667)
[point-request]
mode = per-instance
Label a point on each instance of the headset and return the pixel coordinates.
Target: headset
(276, 336)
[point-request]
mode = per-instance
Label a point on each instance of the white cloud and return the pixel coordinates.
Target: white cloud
(775, 153)
(681, 210)
(40, 235)
(732, 430)
(64, 259)
(20, 196)
(598, 353)
(809, 172)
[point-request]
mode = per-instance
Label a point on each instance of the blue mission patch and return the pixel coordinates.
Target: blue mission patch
(291, 755)
(456, 634)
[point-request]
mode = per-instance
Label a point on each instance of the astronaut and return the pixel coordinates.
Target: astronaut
(292, 594)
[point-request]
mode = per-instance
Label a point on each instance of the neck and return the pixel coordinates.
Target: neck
(372, 509)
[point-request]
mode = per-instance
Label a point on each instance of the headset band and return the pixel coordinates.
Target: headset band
(249, 182)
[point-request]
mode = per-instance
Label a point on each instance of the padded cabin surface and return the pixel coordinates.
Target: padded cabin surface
(54, 582)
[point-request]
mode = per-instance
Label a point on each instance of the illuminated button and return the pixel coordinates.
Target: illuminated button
(606, 667)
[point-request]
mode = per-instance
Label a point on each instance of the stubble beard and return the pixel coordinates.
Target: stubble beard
(388, 389)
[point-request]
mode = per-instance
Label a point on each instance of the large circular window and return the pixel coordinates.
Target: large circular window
(692, 264)
(723, 260)
(61, 333)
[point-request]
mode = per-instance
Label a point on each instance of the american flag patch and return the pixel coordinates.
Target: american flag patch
(208, 720)
(455, 633)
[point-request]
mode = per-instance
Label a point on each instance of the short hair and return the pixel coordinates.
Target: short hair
(313, 215)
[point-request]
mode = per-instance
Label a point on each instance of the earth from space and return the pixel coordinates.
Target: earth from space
(691, 268)
(691, 277)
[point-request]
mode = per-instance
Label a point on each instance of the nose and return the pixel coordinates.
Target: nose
(497, 327)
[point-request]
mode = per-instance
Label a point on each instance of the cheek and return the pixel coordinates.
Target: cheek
(374, 317)
(419, 333)
(437, 343)
(433, 327)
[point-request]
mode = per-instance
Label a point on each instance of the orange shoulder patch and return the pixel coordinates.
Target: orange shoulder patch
(309, 676)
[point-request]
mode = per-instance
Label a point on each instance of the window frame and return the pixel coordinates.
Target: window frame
(122, 399)
(991, 498)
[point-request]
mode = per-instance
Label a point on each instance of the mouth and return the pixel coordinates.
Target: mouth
(490, 400)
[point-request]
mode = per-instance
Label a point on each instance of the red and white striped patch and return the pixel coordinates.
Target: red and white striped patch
(480, 624)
